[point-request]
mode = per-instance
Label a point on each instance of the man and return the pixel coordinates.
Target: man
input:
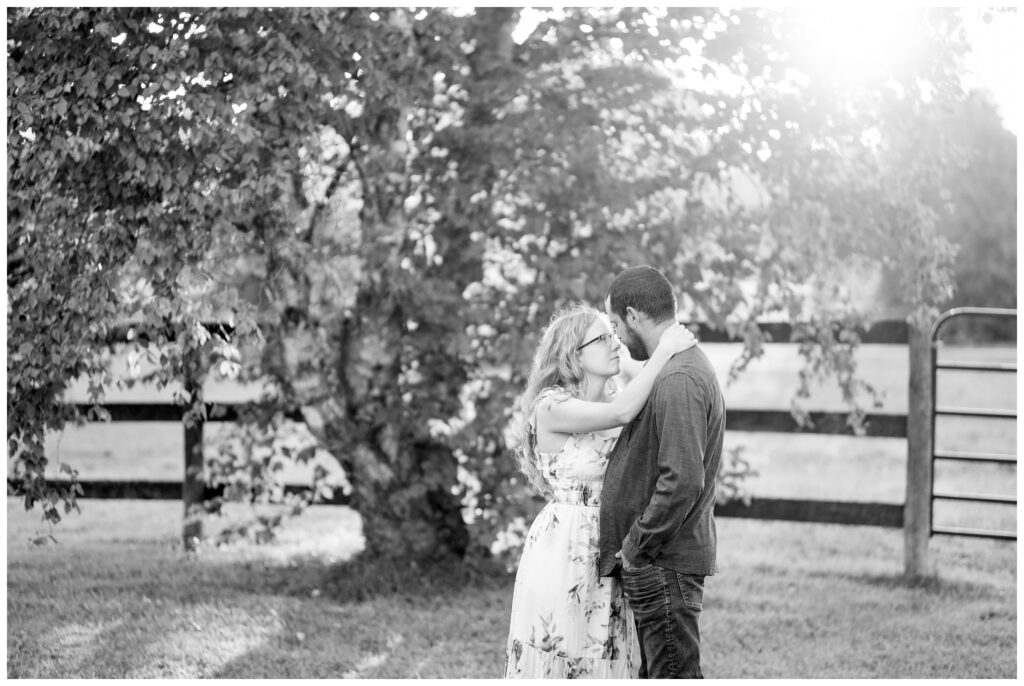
(657, 520)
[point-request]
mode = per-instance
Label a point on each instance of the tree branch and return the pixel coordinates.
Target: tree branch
(321, 206)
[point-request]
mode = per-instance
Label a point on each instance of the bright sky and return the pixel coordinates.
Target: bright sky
(996, 61)
(852, 42)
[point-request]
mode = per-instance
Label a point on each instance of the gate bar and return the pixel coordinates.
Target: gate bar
(922, 448)
(977, 497)
(977, 533)
(971, 412)
(979, 366)
(1004, 458)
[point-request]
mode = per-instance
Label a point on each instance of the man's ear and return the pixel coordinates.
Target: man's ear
(632, 316)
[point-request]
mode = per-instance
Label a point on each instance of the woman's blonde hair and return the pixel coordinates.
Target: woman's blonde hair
(555, 365)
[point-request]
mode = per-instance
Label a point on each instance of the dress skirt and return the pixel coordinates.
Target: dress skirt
(568, 622)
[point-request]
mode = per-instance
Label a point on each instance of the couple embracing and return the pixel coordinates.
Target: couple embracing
(611, 580)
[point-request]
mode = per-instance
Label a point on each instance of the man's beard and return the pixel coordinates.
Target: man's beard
(635, 345)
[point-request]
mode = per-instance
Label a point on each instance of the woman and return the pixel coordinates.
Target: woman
(568, 622)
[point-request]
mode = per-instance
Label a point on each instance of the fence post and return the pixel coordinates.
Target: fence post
(918, 504)
(192, 485)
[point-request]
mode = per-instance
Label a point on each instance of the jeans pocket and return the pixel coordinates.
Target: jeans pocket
(643, 587)
(691, 588)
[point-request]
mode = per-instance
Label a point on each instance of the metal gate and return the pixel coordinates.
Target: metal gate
(969, 456)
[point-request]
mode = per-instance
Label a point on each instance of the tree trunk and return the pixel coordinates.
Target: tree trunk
(402, 479)
(409, 512)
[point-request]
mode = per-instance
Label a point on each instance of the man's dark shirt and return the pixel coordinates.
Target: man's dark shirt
(659, 488)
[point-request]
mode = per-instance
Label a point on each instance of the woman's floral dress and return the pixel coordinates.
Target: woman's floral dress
(568, 622)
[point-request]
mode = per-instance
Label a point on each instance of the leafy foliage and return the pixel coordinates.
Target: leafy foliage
(387, 206)
(979, 192)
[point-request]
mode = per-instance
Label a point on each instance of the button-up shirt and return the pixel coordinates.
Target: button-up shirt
(659, 487)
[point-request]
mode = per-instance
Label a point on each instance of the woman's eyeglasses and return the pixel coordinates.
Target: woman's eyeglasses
(605, 338)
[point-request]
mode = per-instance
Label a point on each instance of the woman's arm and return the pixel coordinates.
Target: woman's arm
(574, 415)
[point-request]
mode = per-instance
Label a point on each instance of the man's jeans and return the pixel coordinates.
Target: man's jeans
(666, 606)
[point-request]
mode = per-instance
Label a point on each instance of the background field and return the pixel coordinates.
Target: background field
(117, 598)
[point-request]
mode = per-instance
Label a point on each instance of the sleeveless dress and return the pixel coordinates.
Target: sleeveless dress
(567, 621)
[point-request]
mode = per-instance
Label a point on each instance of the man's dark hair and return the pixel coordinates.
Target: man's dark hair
(646, 290)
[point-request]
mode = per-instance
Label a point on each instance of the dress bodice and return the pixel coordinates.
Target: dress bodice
(575, 472)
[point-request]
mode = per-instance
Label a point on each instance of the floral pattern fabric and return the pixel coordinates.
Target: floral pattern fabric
(567, 621)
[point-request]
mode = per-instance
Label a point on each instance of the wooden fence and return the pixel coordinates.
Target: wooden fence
(192, 490)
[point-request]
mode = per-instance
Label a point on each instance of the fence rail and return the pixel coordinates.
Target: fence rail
(782, 509)
(740, 419)
(781, 421)
(817, 511)
(888, 332)
(167, 412)
(117, 489)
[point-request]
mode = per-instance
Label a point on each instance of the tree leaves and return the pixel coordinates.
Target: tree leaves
(388, 205)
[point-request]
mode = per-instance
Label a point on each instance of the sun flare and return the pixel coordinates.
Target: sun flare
(857, 44)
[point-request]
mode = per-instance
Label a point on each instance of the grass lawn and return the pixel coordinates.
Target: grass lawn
(117, 598)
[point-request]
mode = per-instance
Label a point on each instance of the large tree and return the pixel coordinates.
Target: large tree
(388, 204)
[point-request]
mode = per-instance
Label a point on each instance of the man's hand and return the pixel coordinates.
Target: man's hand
(626, 564)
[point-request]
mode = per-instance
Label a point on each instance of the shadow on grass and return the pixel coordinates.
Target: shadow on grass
(388, 618)
(365, 579)
(929, 584)
(362, 579)
(160, 614)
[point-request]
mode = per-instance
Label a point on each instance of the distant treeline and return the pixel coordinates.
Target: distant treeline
(980, 196)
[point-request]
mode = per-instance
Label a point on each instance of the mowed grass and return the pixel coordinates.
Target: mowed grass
(118, 599)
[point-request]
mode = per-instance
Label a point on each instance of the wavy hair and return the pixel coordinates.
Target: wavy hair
(555, 365)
